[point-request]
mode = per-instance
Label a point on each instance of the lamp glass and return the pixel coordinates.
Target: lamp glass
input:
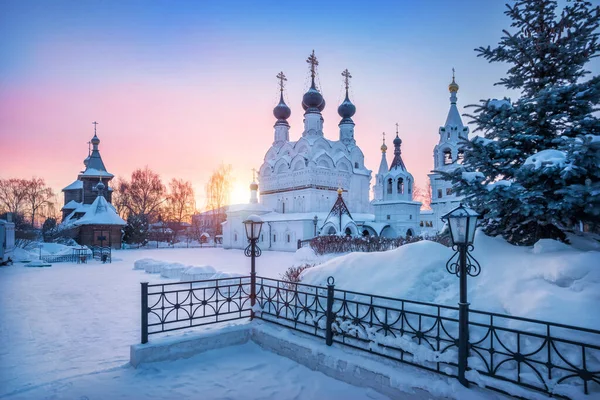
(253, 228)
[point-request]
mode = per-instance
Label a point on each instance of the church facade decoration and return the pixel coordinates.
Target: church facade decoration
(298, 180)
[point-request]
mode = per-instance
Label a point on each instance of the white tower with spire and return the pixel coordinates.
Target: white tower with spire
(393, 204)
(447, 155)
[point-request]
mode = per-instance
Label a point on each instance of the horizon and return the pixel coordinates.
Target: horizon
(192, 87)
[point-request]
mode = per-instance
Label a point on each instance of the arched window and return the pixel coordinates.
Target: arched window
(235, 237)
(355, 165)
(409, 233)
(348, 232)
(409, 186)
(400, 186)
(331, 230)
(447, 157)
(389, 187)
(365, 233)
(461, 156)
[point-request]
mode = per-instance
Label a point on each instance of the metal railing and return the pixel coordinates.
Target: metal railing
(538, 355)
(54, 258)
(102, 253)
(174, 306)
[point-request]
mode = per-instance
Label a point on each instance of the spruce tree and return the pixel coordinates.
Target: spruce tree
(535, 171)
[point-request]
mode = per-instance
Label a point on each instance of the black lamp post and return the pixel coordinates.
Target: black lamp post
(315, 222)
(253, 227)
(462, 222)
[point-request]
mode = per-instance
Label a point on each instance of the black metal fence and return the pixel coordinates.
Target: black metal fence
(102, 253)
(174, 306)
(56, 258)
(552, 358)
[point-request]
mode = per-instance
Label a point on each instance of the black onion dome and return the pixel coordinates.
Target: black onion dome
(397, 141)
(281, 110)
(95, 140)
(313, 100)
(100, 186)
(346, 109)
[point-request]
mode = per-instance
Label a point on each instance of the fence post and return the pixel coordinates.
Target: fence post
(329, 315)
(144, 312)
(299, 244)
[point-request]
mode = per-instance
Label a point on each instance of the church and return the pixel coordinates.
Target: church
(318, 186)
(88, 215)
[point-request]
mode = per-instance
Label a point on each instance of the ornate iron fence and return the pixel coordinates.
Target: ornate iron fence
(173, 306)
(53, 258)
(556, 359)
(102, 253)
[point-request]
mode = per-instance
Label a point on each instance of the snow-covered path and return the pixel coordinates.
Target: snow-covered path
(72, 319)
(238, 372)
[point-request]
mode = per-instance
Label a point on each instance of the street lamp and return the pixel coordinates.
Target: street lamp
(462, 222)
(315, 222)
(253, 225)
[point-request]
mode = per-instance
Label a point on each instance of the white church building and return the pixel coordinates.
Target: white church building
(317, 186)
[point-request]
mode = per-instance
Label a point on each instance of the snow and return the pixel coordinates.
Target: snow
(75, 319)
(237, 372)
(472, 176)
(100, 212)
(498, 104)
(254, 218)
(96, 173)
(75, 185)
(546, 158)
(547, 281)
(501, 183)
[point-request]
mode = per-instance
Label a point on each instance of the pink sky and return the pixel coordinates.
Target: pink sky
(184, 97)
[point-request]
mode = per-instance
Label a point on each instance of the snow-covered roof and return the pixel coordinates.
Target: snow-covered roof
(74, 186)
(96, 173)
(100, 212)
(254, 207)
(72, 205)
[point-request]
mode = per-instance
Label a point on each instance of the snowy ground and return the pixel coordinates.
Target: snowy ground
(73, 319)
(237, 372)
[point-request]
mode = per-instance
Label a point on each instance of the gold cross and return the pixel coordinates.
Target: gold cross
(453, 73)
(347, 76)
(281, 77)
(253, 174)
(396, 129)
(383, 137)
(312, 60)
(94, 123)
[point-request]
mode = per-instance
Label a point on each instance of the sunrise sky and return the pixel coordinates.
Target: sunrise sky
(184, 86)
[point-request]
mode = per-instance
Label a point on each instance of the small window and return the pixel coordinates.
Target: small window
(461, 156)
(389, 186)
(421, 224)
(448, 191)
(262, 238)
(288, 238)
(448, 136)
(439, 193)
(355, 165)
(410, 216)
(400, 186)
(447, 157)
(235, 237)
(388, 217)
(274, 238)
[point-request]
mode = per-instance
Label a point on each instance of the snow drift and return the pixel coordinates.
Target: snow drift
(549, 281)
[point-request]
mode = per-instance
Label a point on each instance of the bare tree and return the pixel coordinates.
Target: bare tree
(423, 195)
(37, 195)
(181, 203)
(144, 194)
(218, 190)
(13, 195)
(119, 199)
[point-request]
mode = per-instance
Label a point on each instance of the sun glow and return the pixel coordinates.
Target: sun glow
(240, 193)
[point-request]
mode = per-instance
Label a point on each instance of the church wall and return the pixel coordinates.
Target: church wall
(400, 216)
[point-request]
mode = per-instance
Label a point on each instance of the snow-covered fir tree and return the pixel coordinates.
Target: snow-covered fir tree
(535, 171)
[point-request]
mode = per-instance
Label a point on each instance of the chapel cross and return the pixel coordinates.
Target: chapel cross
(396, 129)
(282, 78)
(254, 173)
(347, 76)
(383, 137)
(312, 60)
(452, 73)
(94, 123)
